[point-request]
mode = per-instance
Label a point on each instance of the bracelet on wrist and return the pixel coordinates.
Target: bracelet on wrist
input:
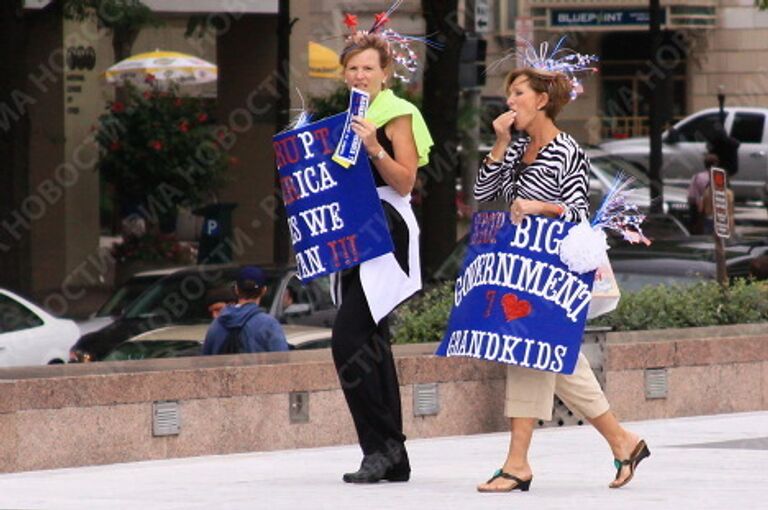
(379, 155)
(490, 159)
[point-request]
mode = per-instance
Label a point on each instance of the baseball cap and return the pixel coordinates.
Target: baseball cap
(250, 278)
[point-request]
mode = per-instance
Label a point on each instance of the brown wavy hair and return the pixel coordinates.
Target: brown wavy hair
(361, 41)
(557, 86)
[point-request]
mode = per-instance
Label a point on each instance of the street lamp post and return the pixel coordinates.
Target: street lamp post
(721, 102)
(655, 160)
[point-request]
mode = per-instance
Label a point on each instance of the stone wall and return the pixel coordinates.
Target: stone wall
(75, 415)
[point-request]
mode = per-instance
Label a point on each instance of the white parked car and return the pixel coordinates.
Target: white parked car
(187, 340)
(684, 146)
(31, 336)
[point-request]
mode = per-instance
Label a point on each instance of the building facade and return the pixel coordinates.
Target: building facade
(50, 226)
(52, 95)
(709, 46)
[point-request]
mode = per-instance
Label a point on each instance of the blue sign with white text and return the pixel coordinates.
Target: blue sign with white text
(515, 301)
(335, 216)
(602, 17)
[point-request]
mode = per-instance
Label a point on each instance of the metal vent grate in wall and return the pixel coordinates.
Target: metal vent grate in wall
(166, 418)
(656, 383)
(425, 399)
(298, 407)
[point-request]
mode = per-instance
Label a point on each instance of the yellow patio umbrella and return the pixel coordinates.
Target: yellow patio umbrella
(323, 62)
(164, 66)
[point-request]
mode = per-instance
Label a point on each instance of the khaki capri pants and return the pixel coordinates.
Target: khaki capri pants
(530, 393)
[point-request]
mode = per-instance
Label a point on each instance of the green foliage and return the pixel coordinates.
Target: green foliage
(201, 25)
(160, 143)
(423, 319)
(338, 100)
(704, 304)
(761, 4)
(325, 106)
(116, 15)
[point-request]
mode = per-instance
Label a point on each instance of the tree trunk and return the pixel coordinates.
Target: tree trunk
(440, 104)
(14, 144)
(122, 44)
(281, 236)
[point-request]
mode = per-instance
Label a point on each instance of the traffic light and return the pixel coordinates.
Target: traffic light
(472, 62)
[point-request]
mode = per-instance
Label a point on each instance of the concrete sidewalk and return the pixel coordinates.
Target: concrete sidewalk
(708, 462)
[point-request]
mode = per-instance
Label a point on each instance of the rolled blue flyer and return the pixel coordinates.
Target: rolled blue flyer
(349, 144)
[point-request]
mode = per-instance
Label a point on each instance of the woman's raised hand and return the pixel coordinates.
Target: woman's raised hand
(502, 126)
(366, 130)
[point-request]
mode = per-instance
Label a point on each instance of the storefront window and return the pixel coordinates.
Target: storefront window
(626, 71)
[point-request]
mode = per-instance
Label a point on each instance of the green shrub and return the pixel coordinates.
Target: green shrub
(424, 318)
(337, 100)
(704, 304)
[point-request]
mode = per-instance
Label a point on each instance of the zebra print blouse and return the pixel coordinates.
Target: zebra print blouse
(559, 175)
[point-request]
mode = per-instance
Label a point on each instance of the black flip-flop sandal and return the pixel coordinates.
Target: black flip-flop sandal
(522, 485)
(640, 452)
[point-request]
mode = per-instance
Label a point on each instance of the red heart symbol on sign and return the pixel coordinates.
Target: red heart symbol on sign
(515, 308)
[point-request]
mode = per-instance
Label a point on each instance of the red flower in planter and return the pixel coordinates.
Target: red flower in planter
(155, 139)
(150, 78)
(178, 102)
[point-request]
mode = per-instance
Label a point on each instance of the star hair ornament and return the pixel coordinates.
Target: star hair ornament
(559, 60)
(399, 44)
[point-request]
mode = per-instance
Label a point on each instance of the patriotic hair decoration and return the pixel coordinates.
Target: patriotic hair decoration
(399, 44)
(559, 60)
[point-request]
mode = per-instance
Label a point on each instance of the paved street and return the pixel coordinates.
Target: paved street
(709, 462)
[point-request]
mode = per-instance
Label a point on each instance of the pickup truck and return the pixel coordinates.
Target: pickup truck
(684, 146)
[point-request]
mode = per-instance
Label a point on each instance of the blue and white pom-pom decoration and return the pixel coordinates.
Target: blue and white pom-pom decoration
(584, 248)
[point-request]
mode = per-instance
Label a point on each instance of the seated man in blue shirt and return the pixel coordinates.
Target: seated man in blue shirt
(256, 330)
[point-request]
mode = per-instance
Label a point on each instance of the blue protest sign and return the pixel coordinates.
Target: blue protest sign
(335, 217)
(515, 301)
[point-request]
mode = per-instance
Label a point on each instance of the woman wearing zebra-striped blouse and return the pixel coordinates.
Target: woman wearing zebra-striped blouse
(545, 173)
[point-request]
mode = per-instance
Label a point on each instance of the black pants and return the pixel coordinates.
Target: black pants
(366, 368)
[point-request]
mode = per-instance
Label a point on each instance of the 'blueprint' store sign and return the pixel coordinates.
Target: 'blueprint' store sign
(602, 17)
